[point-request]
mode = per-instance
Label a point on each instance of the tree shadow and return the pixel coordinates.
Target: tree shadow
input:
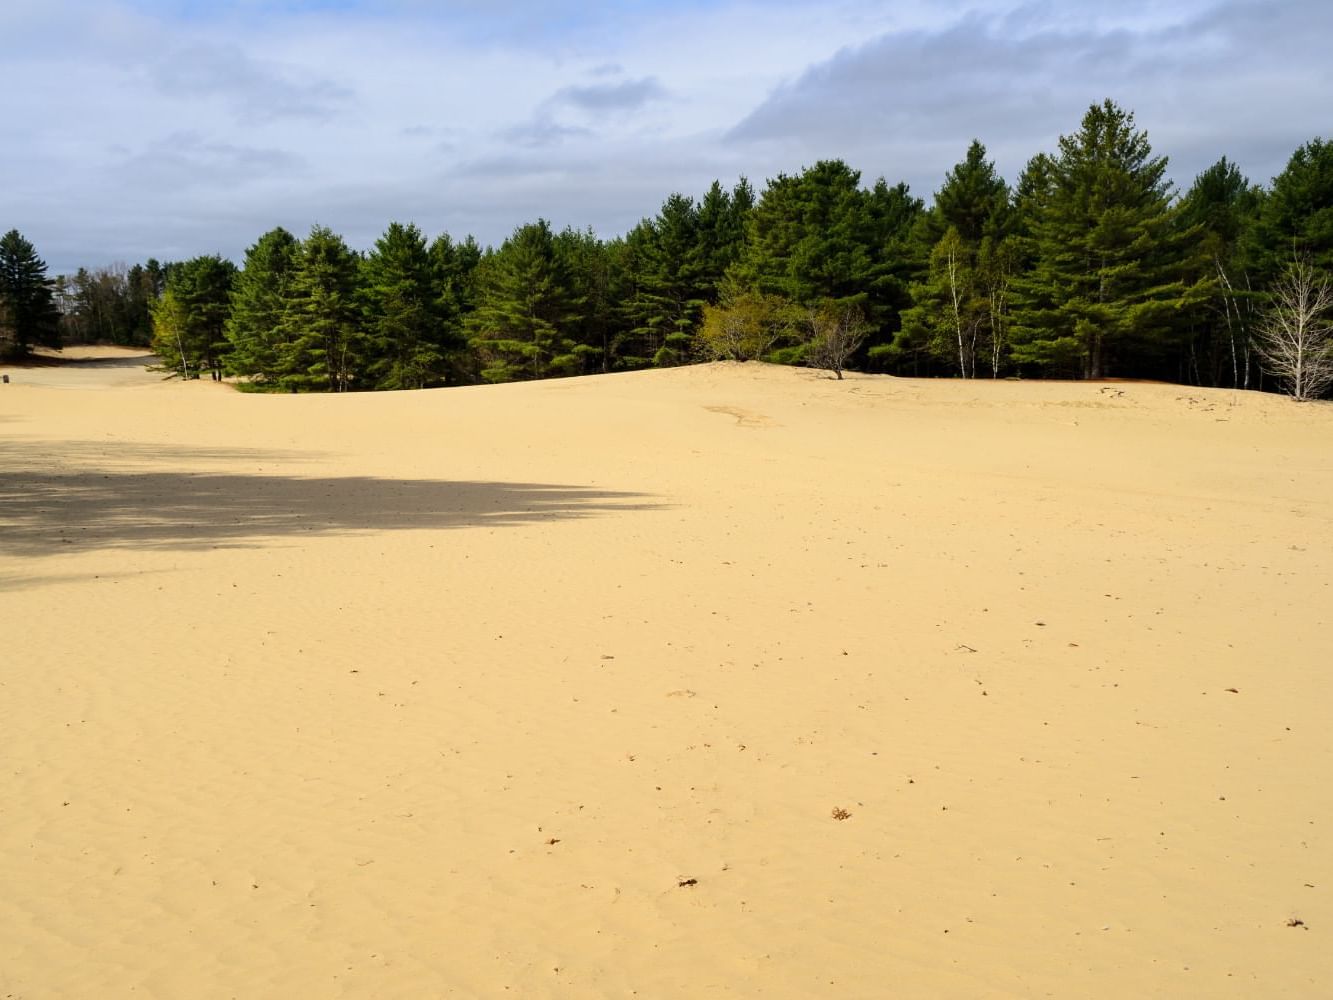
(61, 361)
(47, 508)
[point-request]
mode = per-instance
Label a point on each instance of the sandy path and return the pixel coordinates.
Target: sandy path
(446, 693)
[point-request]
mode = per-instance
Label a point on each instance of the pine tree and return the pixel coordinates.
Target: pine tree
(28, 314)
(323, 343)
(960, 310)
(525, 310)
(673, 284)
(201, 288)
(1222, 206)
(1297, 218)
(258, 301)
(1108, 270)
(453, 275)
(404, 343)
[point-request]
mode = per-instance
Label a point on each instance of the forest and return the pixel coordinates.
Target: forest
(1091, 265)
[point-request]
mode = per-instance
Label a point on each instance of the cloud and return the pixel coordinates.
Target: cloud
(1213, 80)
(255, 91)
(540, 133)
(604, 98)
(185, 160)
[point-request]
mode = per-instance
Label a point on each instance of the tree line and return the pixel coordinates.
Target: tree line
(1090, 265)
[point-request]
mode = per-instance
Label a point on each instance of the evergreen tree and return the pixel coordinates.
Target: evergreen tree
(525, 308)
(1296, 223)
(405, 342)
(322, 340)
(453, 275)
(1109, 264)
(258, 302)
(959, 311)
(202, 286)
(594, 286)
(673, 285)
(809, 238)
(1222, 207)
(28, 314)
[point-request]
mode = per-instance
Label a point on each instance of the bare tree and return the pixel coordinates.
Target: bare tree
(1295, 338)
(835, 335)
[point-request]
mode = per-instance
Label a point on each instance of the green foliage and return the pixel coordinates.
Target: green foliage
(960, 308)
(1085, 267)
(1222, 208)
(28, 314)
(171, 324)
(525, 307)
(201, 304)
(405, 337)
(323, 344)
(258, 302)
(454, 285)
(1107, 262)
(746, 325)
(1297, 217)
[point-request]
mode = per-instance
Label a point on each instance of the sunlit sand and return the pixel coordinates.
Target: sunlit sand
(730, 680)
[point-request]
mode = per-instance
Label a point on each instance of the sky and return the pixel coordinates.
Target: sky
(171, 128)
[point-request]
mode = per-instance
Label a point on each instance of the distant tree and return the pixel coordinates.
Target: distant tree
(1297, 217)
(593, 282)
(1296, 335)
(323, 345)
(171, 326)
(405, 342)
(745, 325)
(833, 335)
(525, 310)
(810, 237)
(28, 314)
(1223, 207)
(259, 296)
(202, 287)
(1107, 275)
(453, 273)
(673, 283)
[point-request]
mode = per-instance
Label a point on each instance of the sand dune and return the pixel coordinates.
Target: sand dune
(552, 690)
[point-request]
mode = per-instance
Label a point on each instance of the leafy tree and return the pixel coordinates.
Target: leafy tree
(28, 315)
(171, 325)
(525, 308)
(1107, 276)
(951, 315)
(745, 325)
(323, 344)
(259, 295)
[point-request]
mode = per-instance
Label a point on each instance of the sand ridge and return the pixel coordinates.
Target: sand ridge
(553, 689)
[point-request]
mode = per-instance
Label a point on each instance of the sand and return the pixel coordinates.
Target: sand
(552, 690)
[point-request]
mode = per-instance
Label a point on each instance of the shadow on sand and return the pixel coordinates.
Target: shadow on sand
(45, 509)
(49, 360)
